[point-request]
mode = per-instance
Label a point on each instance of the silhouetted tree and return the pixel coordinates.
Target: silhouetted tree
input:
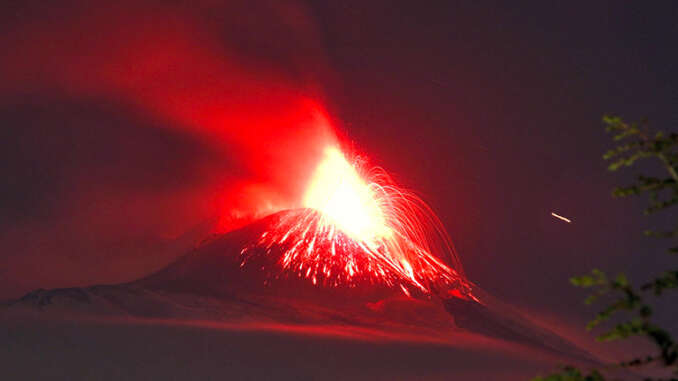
(635, 144)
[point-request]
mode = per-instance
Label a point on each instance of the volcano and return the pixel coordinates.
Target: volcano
(213, 283)
(364, 261)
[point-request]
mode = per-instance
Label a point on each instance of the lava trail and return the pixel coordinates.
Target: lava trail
(359, 227)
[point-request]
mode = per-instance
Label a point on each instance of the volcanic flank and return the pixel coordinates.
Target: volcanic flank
(214, 283)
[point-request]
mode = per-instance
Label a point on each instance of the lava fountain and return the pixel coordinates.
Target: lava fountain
(359, 226)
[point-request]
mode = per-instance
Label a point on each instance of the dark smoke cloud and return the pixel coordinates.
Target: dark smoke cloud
(130, 130)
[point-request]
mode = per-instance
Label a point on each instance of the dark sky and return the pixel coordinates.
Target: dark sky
(492, 111)
(128, 129)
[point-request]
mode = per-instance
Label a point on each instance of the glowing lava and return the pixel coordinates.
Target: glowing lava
(338, 192)
(359, 227)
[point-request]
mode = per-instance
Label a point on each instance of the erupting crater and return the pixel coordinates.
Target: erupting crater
(359, 227)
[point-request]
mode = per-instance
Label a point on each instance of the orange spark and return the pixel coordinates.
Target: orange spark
(561, 217)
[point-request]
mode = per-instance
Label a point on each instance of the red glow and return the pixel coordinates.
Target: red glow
(164, 62)
(362, 228)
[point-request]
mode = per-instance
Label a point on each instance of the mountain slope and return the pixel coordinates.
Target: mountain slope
(210, 284)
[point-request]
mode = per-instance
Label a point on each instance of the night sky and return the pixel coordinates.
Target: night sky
(130, 131)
